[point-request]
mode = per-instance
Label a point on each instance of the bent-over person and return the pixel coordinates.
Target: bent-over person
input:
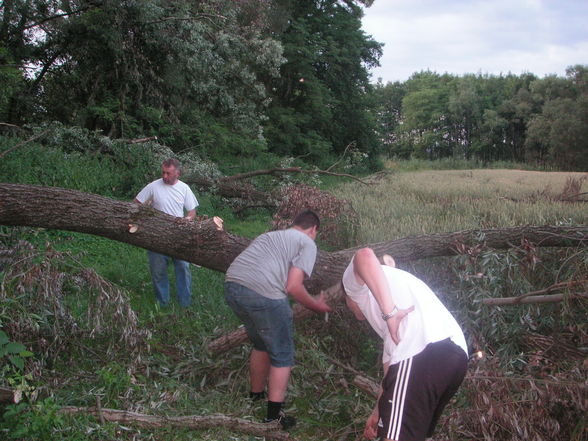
(257, 287)
(425, 353)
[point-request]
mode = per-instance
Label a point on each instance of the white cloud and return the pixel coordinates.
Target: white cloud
(458, 36)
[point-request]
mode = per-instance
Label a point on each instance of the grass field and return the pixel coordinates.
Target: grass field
(516, 392)
(400, 204)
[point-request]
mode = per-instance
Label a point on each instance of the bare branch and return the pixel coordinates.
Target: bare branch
(20, 144)
(267, 430)
(140, 140)
(552, 298)
(277, 171)
(353, 143)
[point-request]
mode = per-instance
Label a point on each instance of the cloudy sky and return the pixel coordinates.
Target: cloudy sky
(478, 36)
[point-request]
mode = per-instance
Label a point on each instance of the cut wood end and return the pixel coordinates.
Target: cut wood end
(218, 222)
(389, 260)
(133, 228)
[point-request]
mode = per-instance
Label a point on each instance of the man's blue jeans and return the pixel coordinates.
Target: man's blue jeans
(158, 264)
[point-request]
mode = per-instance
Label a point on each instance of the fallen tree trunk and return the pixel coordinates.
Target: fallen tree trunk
(268, 430)
(204, 244)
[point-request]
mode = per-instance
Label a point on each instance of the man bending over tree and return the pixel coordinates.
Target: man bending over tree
(257, 286)
(425, 353)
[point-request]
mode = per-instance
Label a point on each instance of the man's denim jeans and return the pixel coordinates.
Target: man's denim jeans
(158, 264)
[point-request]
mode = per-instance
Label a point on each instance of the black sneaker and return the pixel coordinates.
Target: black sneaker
(287, 422)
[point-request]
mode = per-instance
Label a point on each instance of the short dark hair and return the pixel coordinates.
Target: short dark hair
(172, 162)
(307, 219)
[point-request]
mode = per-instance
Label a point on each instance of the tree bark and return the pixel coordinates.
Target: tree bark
(8, 395)
(268, 430)
(204, 244)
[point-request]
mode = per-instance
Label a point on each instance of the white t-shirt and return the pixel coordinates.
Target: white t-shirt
(264, 265)
(171, 199)
(428, 323)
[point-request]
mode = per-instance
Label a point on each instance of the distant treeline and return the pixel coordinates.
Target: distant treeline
(281, 78)
(488, 118)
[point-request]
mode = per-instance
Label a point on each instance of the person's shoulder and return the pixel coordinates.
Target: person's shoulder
(155, 183)
(183, 185)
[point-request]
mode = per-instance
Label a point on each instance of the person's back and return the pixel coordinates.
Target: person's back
(257, 286)
(428, 323)
(264, 265)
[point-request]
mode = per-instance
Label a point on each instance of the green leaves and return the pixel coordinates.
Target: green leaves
(13, 351)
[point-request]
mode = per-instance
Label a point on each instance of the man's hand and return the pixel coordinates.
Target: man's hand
(394, 323)
(371, 425)
(321, 303)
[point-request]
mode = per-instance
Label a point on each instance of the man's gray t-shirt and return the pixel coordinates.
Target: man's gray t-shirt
(263, 266)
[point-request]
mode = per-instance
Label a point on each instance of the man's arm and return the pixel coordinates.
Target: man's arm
(191, 214)
(368, 270)
(295, 287)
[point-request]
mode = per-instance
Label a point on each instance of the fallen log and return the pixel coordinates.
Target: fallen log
(267, 430)
(550, 298)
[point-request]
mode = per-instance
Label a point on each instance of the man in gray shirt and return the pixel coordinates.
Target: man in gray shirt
(257, 286)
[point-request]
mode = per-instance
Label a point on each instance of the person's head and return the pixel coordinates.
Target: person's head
(170, 171)
(308, 222)
(353, 307)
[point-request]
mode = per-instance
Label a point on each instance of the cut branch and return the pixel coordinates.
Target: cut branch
(8, 395)
(268, 430)
(538, 296)
(551, 298)
(367, 385)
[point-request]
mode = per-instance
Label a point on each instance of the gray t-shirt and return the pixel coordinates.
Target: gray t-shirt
(263, 266)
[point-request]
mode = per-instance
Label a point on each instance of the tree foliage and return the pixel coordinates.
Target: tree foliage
(485, 117)
(320, 99)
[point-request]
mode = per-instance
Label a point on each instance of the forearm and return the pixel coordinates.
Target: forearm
(191, 215)
(367, 268)
(301, 295)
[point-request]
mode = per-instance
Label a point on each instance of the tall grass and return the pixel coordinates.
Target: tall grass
(400, 204)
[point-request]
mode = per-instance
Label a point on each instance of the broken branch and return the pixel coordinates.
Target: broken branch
(268, 430)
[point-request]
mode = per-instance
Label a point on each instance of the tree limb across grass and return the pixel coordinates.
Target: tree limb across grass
(205, 243)
(196, 422)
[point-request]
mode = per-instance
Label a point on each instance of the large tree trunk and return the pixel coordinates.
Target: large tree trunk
(203, 244)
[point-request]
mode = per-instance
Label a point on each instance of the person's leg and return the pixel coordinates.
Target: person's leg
(455, 366)
(158, 268)
(416, 390)
(183, 282)
(259, 368)
(243, 301)
(278, 383)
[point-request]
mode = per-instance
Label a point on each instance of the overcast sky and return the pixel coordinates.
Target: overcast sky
(478, 36)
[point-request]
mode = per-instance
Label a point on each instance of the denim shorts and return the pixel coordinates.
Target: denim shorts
(268, 322)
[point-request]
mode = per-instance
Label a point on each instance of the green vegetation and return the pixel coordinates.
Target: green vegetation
(96, 93)
(93, 333)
